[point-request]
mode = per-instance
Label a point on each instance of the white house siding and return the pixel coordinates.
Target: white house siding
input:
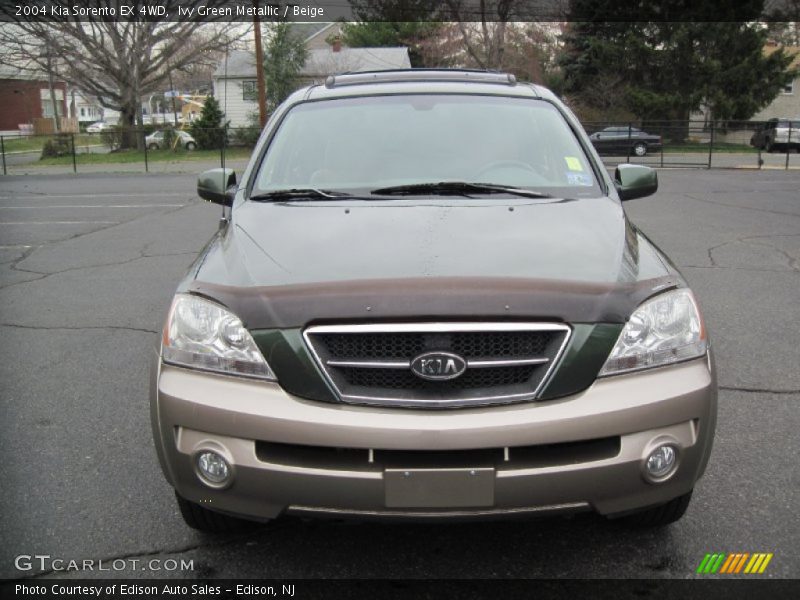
(239, 67)
(787, 104)
(229, 93)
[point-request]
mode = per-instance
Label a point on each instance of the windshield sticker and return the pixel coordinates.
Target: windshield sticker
(573, 163)
(579, 179)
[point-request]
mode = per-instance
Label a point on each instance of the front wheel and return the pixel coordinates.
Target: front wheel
(640, 149)
(152, 147)
(191, 145)
(200, 518)
(658, 516)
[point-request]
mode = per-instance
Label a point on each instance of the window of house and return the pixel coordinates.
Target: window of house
(250, 91)
(789, 88)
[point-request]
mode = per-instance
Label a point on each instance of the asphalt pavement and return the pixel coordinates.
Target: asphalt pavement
(88, 265)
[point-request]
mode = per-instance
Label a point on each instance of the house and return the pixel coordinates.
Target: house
(235, 84)
(83, 107)
(787, 102)
(25, 97)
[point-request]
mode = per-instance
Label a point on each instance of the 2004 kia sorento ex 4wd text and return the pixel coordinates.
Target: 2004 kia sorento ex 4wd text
(425, 301)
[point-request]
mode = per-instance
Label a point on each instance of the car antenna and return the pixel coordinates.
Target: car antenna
(223, 221)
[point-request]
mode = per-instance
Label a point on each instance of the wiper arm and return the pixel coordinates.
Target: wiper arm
(457, 188)
(309, 193)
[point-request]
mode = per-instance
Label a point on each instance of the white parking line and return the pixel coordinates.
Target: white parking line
(96, 206)
(58, 222)
(109, 195)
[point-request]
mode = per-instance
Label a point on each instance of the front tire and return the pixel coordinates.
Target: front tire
(191, 145)
(200, 518)
(153, 147)
(658, 516)
(640, 149)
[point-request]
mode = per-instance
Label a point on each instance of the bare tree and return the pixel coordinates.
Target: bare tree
(483, 25)
(115, 61)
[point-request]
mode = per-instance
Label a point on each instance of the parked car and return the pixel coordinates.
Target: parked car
(425, 300)
(777, 135)
(157, 140)
(625, 140)
(98, 127)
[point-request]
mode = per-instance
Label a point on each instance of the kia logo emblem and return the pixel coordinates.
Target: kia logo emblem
(438, 366)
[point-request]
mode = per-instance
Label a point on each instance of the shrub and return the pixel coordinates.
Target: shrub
(248, 135)
(60, 145)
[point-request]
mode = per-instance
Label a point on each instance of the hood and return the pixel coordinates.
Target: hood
(284, 264)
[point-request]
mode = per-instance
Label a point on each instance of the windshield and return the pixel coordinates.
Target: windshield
(378, 142)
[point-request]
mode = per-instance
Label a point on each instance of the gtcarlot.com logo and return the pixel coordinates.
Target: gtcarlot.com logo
(47, 563)
(735, 563)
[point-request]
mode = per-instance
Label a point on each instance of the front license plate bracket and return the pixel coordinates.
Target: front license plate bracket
(439, 488)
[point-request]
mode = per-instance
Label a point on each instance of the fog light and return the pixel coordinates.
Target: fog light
(213, 467)
(661, 461)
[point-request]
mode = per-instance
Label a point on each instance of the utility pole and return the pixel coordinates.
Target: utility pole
(262, 94)
(172, 93)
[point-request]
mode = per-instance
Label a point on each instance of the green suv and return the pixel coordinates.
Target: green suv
(425, 301)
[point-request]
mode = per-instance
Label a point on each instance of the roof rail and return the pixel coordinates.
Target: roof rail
(420, 75)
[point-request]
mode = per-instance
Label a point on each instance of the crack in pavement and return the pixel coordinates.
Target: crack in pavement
(97, 266)
(754, 269)
(88, 327)
(751, 208)
(14, 265)
(99, 229)
(754, 390)
(791, 261)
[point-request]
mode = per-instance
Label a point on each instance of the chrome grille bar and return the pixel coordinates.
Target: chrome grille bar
(406, 364)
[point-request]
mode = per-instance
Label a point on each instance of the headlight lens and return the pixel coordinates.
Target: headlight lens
(663, 330)
(200, 334)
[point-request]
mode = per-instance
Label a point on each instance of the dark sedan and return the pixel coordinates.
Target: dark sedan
(625, 140)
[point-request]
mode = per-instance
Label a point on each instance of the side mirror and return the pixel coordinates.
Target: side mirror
(635, 181)
(217, 185)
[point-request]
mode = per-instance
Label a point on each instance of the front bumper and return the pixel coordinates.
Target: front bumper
(566, 442)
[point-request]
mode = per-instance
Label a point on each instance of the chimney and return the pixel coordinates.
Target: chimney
(336, 46)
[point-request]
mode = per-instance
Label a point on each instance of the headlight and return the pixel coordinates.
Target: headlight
(663, 330)
(200, 334)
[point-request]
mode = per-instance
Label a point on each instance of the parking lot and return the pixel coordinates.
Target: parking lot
(89, 264)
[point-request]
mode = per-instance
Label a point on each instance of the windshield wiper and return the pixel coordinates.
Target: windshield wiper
(456, 188)
(301, 193)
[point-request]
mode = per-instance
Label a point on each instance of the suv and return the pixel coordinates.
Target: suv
(777, 134)
(425, 300)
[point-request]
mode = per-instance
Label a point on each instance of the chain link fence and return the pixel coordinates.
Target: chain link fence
(770, 144)
(689, 144)
(132, 150)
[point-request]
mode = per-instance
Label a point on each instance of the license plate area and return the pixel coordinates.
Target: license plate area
(439, 488)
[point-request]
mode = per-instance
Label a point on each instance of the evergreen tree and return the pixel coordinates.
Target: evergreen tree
(664, 70)
(284, 57)
(209, 131)
(372, 34)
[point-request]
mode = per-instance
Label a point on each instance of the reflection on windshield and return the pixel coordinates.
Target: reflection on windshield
(388, 141)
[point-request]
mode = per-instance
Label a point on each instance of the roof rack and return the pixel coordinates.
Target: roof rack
(420, 75)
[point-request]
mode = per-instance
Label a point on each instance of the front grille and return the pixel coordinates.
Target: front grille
(372, 364)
